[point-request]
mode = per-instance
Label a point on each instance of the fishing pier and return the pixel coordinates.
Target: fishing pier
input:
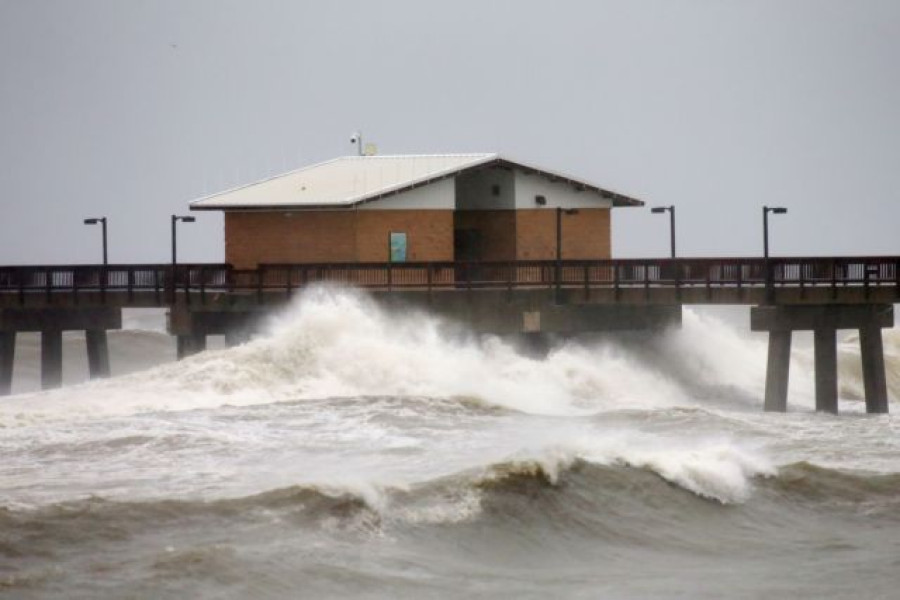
(563, 297)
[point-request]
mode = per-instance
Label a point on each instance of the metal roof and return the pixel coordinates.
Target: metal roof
(347, 181)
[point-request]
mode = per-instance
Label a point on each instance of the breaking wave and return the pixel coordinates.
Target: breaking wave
(338, 343)
(615, 500)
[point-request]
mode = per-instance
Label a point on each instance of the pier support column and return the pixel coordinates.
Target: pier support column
(236, 338)
(824, 320)
(7, 354)
(777, 371)
(51, 358)
(190, 344)
(874, 380)
(826, 370)
(98, 352)
(533, 345)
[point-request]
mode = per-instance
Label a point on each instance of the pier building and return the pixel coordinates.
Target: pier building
(415, 208)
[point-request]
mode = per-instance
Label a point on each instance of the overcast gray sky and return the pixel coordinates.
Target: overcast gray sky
(132, 109)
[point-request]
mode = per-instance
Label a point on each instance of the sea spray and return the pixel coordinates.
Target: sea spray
(334, 342)
(337, 343)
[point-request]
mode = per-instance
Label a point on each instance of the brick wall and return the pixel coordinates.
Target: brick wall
(585, 235)
(279, 237)
(429, 234)
(334, 236)
(362, 236)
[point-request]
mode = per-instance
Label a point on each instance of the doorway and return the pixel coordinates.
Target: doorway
(467, 245)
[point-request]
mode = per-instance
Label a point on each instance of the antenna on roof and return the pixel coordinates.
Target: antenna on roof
(363, 149)
(356, 138)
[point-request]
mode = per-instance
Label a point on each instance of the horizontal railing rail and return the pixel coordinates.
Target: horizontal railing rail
(166, 281)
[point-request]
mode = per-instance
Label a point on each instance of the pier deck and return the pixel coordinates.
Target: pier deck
(820, 294)
(750, 281)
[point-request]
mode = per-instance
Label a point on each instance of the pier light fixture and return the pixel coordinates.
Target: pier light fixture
(102, 222)
(671, 210)
(775, 210)
(175, 219)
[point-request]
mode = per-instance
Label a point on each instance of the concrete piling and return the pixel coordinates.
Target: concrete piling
(874, 380)
(236, 337)
(97, 352)
(7, 355)
(51, 358)
(825, 340)
(50, 322)
(190, 344)
(824, 321)
(777, 371)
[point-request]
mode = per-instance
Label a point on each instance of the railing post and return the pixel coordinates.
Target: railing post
(557, 277)
(47, 283)
(676, 264)
(259, 283)
(587, 287)
(103, 284)
(203, 286)
(801, 277)
(21, 276)
(170, 285)
(833, 279)
(646, 282)
(709, 268)
(429, 278)
(130, 283)
(187, 284)
(866, 280)
(897, 278)
(616, 279)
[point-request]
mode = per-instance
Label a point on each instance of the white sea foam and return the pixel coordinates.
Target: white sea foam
(718, 468)
(338, 343)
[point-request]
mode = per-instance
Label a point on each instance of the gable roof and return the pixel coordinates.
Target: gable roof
(351, 180)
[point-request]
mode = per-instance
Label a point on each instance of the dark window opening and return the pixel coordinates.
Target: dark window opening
(540, 200)
(467, 245)
(495, 189)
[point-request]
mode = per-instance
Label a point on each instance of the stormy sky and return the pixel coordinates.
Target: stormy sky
(132, 109)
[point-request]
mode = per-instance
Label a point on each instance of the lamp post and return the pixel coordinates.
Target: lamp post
(775, 210)
(671, 210)
(175, 219)
(559, 213)
(102, 221)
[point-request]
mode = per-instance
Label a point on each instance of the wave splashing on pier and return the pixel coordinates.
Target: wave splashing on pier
(355, 452)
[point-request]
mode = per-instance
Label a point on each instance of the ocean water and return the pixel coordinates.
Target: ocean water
(351, 453)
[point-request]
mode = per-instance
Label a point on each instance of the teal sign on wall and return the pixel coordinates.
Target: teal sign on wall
(398, 247)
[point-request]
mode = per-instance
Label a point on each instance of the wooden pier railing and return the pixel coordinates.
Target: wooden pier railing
(163, 281)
